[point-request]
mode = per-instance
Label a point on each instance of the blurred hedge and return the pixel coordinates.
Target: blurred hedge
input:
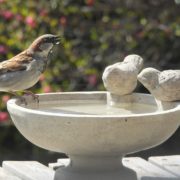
(95, 33)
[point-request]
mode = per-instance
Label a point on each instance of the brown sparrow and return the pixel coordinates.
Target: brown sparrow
(23, 70)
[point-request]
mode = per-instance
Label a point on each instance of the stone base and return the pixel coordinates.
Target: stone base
(95, 168)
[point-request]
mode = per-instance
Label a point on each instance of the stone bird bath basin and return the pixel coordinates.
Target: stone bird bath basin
(94, 134)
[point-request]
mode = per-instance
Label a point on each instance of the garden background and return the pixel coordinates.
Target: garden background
(95, 33)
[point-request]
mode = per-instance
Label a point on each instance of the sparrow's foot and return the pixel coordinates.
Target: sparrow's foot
(22, 99)
(34, 96)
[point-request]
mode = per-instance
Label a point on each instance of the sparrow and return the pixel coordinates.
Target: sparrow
(121, 78)
(164, 86)
(23, 70)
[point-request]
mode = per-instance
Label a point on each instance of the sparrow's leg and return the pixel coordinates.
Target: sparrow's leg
(22, 99)
(34, 96)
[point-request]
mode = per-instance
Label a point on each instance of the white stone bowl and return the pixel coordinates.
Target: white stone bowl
(94, 141)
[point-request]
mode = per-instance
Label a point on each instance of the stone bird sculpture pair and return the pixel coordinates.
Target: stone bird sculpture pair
(121, 79)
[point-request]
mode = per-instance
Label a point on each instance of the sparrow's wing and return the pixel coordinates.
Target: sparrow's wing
(23, 57)
(170, 79)
(17, 63)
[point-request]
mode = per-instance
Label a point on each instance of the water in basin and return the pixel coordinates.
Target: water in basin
(94, 108)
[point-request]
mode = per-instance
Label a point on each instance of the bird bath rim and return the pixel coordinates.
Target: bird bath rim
(94, 143)
(15, 103)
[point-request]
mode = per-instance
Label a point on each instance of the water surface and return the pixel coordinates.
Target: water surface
(95, 108)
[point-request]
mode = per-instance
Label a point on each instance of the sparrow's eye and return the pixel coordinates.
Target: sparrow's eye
(47, 40)
(53, 40)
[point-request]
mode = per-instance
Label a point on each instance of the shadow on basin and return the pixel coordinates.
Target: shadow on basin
(159, 178)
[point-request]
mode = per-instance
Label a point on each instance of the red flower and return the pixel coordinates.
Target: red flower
(47, 89)
(140, 34)
(5, 98)
(42, 77)
(3, 116)
(92, 79)
(3, 49)
(30, 21)
(63, 21)
(90, 2)
(19, 17)
(43, 12)
(7, 14)
(2, 1)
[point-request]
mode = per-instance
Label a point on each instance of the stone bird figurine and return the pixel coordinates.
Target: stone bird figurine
(121, 78)
(23, 70)
(164, 86)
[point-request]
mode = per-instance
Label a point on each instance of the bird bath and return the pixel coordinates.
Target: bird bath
(95, 130)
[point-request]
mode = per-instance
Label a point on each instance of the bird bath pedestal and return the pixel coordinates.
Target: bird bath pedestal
(95, 129)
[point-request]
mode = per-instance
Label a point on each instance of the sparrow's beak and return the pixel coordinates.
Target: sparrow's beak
(56, 40)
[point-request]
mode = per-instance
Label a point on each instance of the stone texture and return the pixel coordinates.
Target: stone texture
(95, 143)
(121, 78)
(145, 170)
(164, 86)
